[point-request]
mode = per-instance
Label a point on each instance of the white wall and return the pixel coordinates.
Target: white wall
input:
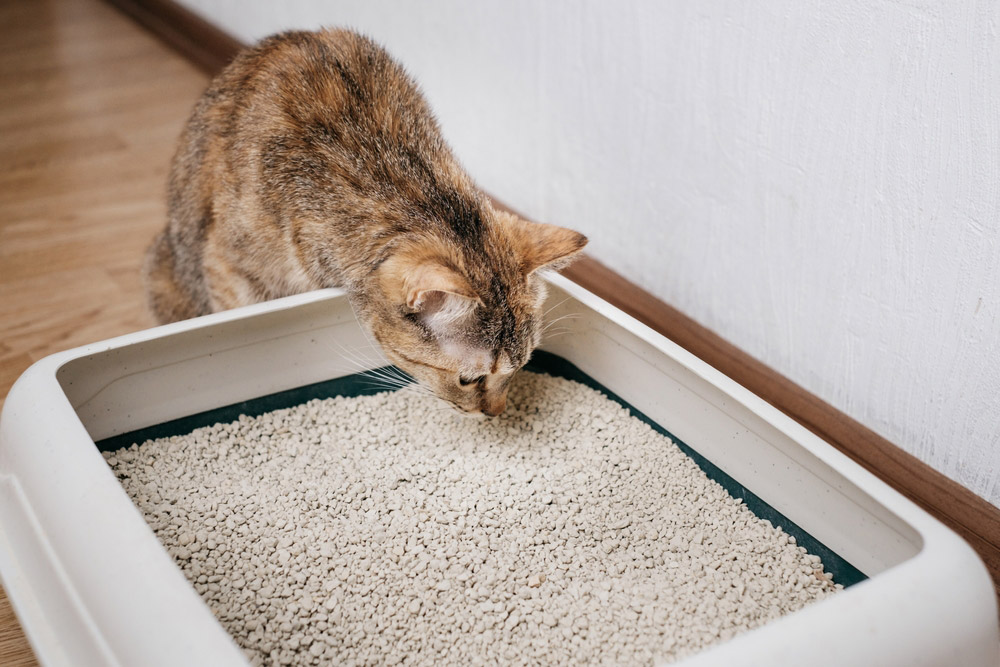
(816, 181)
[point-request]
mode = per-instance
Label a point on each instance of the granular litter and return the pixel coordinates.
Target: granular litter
(384, 530)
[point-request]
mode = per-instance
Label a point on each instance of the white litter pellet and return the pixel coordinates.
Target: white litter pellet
(385, 529)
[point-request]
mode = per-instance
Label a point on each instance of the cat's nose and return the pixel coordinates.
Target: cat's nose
(491, 408)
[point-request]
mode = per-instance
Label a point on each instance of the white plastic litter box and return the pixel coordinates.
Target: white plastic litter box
(91, 584)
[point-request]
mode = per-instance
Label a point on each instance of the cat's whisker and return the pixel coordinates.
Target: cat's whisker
(415, 391)
(551, 308)
(556, 332)
(387, 380)
(370, 338)
(387, 375)
(570, 316)
(360, 357)
(353, 359)
(363, 368)
(421, 390)
(383, 379)
(381, 382)
(417, 387)
(403, 377)
(411, 386)
(379, 357)
(373, 373)
(390, 373)
(397, 375)
(378, 388)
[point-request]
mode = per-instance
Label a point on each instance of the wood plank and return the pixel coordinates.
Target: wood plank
(14, 648)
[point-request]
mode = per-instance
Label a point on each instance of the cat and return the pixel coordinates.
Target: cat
(314, 161)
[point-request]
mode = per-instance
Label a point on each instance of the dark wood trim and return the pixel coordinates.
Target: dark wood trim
(189, 34)
(972, 517)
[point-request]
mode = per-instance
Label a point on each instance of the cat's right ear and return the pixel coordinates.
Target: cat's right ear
(541, 245)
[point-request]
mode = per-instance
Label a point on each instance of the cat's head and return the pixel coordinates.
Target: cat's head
(462, 320)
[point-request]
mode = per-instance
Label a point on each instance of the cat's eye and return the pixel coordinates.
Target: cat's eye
(465, 382)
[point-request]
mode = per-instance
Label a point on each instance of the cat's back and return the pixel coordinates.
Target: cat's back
(299, 162)
(331, 87)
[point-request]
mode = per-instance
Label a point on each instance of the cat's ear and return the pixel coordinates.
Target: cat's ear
(544, 246)
(440, 294)
(424, 284)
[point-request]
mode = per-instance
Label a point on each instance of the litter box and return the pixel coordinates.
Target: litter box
(91, 584)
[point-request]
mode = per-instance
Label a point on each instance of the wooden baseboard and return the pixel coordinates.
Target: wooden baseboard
(972, 517)
(193, 37)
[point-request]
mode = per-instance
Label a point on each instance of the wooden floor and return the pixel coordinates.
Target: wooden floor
(90, 108)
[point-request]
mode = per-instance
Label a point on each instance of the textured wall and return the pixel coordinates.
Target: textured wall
(816, 181)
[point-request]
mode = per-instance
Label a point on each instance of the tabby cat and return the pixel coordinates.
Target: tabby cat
(314, 161)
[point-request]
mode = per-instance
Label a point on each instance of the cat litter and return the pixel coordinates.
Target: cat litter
(387, 529)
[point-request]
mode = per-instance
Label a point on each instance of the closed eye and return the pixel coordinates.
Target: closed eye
(465, 382)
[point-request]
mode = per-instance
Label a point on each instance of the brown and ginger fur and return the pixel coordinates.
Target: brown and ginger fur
(313, 161)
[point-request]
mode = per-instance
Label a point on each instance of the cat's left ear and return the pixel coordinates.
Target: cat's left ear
(441, 297)
(430, 287)
(544, 246)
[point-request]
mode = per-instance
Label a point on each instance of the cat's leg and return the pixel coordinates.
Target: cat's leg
(169, 294)
(230, 278)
